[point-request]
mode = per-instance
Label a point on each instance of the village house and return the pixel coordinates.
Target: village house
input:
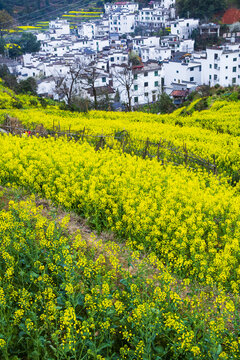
(182, 69)
(184, 27)
(121, 5)
(167, 63)
(221, 65)
(121, 22)
(145, 82)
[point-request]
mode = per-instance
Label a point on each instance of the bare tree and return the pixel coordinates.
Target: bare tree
(89, 78)
(66, 85)
(124, 77)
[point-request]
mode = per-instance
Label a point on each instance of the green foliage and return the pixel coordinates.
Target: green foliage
(165, 104)
(200, 9)
(29, 43)
(2, 46)
(28, 86)
(6, 21)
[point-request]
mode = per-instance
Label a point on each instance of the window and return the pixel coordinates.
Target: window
(234, 80)
(135, 76)
(215, 66)
(145, 73)
(191, 69)
(192, 78)
(234, 69)
(226, 67)
(234, 59)
(136, 99)
(215, 56)
(226, 77)
(215, 77)
(103, 79)
(210, 65)
(135, 87)
(187, 24)
(177, 71)
(146, 94)
(112, 58)
(156, 73)
(226, 56)
(210, 76)
(156, 83)
(145, 84)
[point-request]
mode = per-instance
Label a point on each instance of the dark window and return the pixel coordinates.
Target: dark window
(103, 79)
(234, 69)
(135, 76)
(135, 87)
(156, 73)
(136, 99)
(156, 83)
(145, 73)
(146, 84)
(191, 78)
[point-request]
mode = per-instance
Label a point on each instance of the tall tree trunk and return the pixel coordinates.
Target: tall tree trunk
(95, 97)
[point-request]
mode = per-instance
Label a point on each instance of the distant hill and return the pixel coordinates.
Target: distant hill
(29, 10)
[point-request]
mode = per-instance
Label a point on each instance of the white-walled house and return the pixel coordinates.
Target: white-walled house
(139, 41)
(121, 22)
(173, 42)
(154, 18)
(121, 5)
(87, 30)
(221, 66)
(162, 3)
(184, 27)
(183, 69)
(47, 87)
(159, 53)
(59, 27)
(117, 57)
(145, 82)
(97, 44)
(56, 69)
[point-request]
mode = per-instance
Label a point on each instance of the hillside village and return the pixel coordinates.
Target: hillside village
(105, 58)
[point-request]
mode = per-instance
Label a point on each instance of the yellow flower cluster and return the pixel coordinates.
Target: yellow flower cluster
(136, 315)
(189, 219)
(217, 143)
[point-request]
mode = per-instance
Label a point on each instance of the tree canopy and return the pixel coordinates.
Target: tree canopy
(200, 9)
(6, 21)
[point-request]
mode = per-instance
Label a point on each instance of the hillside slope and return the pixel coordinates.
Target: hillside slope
(32, 10)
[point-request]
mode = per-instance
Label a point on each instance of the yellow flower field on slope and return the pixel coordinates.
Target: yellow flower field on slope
(190, 220)
(68, 298)
(222, 148)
